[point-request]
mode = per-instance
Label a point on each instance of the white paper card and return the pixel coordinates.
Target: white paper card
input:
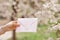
(27, 25)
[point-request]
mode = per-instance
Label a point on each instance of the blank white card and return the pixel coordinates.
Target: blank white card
(27, 25)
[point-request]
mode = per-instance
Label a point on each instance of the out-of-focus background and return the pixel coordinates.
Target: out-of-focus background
(47, 12)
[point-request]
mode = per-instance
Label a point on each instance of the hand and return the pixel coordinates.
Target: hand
(11, 26)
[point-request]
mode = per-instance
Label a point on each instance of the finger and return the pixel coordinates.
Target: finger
(14, 21)
(18, 24)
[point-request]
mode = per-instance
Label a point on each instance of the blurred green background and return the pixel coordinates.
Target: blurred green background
(39, 35)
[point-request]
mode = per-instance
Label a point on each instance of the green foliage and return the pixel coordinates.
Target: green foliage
(58, 21)
(55, 15)
(58, 1)
(51, 23)
(39, 35)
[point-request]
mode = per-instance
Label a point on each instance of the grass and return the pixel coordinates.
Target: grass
(39, 35)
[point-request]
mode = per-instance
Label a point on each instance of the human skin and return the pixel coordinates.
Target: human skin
(9, 27)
